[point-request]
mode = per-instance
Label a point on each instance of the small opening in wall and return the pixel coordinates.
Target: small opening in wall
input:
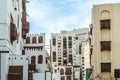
(15, 58)
(15, 8)
(21, 58)
(9, 58)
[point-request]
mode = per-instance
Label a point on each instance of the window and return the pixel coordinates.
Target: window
(54, 56)
(64, 43)
(54, 41)
(70, 58)
(68, 71)
(105, 45)
(105, 24)
(40, 59)
(117, 73)
(40, 39)
(70, 37)
(105, 67)
(33, 60)
(68, 77)
(61, 72)
(27, 40)
(62, 78)
(34, 40)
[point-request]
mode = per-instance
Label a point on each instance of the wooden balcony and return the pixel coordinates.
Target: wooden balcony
(24, 16)
(13, 32)
(68, 71)
(25, 26)
(105, 24)
(32, 67)
(25, 29)
(105, 45)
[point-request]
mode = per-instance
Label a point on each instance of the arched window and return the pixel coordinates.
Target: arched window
(27, 40)
(61, 71)
(40, 59)
(34, 40)
(33, 59)
(40, 39)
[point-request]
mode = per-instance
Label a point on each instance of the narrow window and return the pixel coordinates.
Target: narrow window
(40, 59)
(34, 40)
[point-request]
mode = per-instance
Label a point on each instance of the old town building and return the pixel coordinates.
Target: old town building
(105, 42)
(22, 55)
(66, 53)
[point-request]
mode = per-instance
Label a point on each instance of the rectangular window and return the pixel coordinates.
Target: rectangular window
(68, 71)
(54, 56)
(54, 41)
(105, 67)
(64, 43)
(117, 73)
(105, 24)
(105, 45)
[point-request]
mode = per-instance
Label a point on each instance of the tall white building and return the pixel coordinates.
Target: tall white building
(12, 32)
(85, 60)
(66, 54)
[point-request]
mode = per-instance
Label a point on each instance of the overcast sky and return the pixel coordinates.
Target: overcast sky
(52, 16)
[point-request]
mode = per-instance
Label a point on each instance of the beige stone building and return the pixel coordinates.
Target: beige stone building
(105, 48)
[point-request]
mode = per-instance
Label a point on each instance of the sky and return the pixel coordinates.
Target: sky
(52, 16)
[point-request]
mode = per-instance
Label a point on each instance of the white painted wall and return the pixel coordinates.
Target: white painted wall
(20, 61)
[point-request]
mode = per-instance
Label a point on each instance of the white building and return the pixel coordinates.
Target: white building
(12, 32)
(34, 46)
(65, 51)
(85, 60)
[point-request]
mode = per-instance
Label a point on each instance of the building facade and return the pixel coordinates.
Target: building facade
(22, 55)
(13, 28)
(85, 60)
(105, 42)
(34, 46)
(65, 52)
